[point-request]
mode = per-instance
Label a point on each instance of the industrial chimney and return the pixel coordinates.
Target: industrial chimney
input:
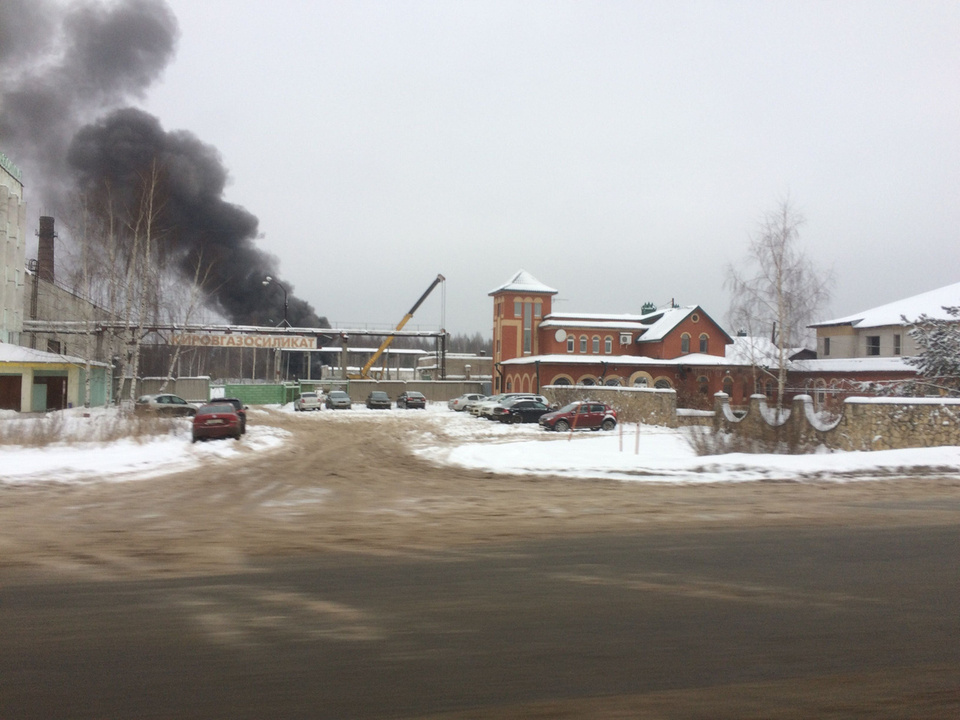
(45, 249)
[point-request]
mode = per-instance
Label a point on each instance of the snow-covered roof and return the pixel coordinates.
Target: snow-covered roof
(18, 354)
(693, 359)
(929, 303)
(668, 320)
(523, 281)
(852, 365)
(756, 351)
(552, 322)
(605, 317)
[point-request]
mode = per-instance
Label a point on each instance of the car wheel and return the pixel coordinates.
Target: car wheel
(516, 420)
(608, 425)
(561, 426)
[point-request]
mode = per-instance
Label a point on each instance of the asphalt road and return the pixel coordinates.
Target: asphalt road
(756, 622)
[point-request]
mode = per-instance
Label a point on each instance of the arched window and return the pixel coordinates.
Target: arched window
(571, 343)
(583, 343)
(608, 345)
(612, 382)
(728, 386)
(641, 381)
(596, 345)
(685, 343)
(587, 381)
(703, 384)
(704, 342)
(662, 384)
(561, 381)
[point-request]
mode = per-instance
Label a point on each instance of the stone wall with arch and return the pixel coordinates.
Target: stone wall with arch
(864, 423)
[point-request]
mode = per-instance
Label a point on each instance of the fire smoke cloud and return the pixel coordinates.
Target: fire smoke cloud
(66, 73)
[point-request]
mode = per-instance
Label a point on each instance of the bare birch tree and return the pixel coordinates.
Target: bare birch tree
(186, 302)
(778, 289)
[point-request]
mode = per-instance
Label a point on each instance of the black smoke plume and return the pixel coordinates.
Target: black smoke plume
(66, 71)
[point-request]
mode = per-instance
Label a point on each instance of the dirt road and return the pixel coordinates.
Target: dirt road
(341, 576)
(355, 486)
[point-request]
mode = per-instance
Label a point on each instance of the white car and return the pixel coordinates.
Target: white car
(464, 402)
(308, 401)
(477, 408)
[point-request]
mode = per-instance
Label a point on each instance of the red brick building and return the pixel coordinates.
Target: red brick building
(674, 347)
(683, 348)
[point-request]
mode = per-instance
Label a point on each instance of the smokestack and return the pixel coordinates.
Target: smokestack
(45, 269)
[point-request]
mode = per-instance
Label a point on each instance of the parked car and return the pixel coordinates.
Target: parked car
(240, 408)
(411, 399)
(163, 404)
(520, 411)
(217, 420)
(581, 415)
(378, 400)
(487, 408)
(308, 401)
(463, 402)
(338, 400)
(478, 406)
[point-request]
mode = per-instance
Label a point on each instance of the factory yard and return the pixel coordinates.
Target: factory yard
(370, 482)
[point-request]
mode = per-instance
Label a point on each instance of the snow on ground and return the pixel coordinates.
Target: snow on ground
(86, 457)
(444, 437)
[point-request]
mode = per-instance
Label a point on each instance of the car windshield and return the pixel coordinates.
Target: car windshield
(569, 408)
(378, 395)
(414, 394)
(309, 396)
(338, 394)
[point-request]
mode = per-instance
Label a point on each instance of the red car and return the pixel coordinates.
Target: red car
(580, 416)
(217, 420)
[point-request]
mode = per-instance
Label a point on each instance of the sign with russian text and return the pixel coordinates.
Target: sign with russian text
(239, 340)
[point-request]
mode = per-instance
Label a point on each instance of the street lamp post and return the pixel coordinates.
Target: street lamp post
(271, 281)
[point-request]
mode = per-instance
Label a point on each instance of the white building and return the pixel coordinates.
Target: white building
(13, 222)
(881, 332)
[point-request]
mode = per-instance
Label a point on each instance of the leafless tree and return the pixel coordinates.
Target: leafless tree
(184, 303)
(778, 289)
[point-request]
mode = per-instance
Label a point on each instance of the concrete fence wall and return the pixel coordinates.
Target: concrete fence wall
(647, 405)
(865, 423)
(434, 391)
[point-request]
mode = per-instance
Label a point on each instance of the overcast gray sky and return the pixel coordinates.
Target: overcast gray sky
(619, 151)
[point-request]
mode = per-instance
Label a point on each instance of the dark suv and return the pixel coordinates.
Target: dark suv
(580, 416)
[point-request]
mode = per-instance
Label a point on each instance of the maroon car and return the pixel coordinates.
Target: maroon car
(217, 420)
(581, 416)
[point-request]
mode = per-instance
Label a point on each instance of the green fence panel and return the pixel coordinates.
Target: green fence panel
(257, 394)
